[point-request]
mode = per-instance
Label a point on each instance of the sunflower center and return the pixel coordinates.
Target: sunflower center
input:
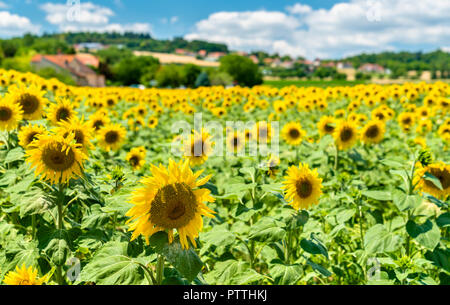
(5, 114)
(236, 141)
(29, 103)
(197, 148)
(294, 133)
(134, 160)
(110, 102)
(442, 175)
(62, 114)
(328, 128)
(407, 121)
(346, 134)
(111, 137)
(304, 188)
(372, 131)
(174, 206)
(98, 124)
(31, 137)
(56, 159)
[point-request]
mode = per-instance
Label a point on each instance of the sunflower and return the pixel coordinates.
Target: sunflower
(444, 132)
(263, 132)
(28, 134)
(98, 120)
(424, 126)
(61, 111)
(111, 136)
(152, 122)
(345, 135)
(272, 165)
(57, 158)
(10, 114)
(380, 114)
(31, 100)
(198, 148)
(136, 158)
(170, 199)
(293, 133)
(82, 131)
(373, 132)
(326, 125)
(235, 141)
(439, 170)
(25, 276)
(302, 186)
(406, 120)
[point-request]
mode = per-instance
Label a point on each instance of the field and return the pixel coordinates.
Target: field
(319, 186)
(311, 83)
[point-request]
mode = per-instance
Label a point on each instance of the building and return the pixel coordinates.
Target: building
(202, 53)
(344, 65)
(215, 56)
(255, 59)
(78, 66)
(371, 68)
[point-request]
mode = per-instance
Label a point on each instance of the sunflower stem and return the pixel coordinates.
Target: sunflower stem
(160, 269)
(60, 226)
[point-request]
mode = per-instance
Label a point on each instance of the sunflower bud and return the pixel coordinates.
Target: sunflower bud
(425, 157)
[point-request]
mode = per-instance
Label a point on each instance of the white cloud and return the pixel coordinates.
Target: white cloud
(90, 17)
(174, 19)
(299, 8)
(346, 28)
(3, 5)
(15, 25)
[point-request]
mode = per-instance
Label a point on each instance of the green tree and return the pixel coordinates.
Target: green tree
(202, 80)
(190, 73)
(242, 69)
(130, 70)
(169, 76)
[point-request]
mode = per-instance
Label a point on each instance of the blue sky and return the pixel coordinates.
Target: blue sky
(326, 29)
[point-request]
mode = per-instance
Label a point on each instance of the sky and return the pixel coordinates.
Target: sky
(323, 29)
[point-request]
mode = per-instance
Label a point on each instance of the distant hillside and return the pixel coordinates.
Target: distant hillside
(142, 42)
(401, 62)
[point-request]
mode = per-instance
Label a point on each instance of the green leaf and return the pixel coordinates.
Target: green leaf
(14, 155)
(218, 236)
(426, 234)
(111, 265)
(34, 203)
(406, 202)
(286, 274)
(21, 252)
(267, 229)
(319, 268)
(314, 246)
(344, 215)
(270, 188)
(379, 240)
(302, 218)
(378, 195)
(430, 177)
(95, 217)
(443, 220)
(186, 262)
(232, 272)
(58, 247)
(440, 258)
(404, 175)
(248, 170)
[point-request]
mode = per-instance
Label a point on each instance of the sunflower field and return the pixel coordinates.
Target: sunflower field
(92, 191)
